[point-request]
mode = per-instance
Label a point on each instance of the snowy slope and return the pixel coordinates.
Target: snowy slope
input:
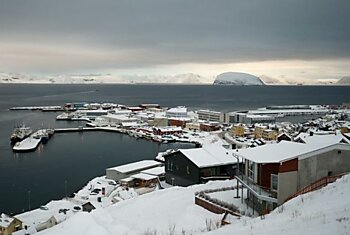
(234, 78)
(326, 211)
(161, 212)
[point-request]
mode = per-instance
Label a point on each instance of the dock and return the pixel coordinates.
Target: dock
(75, 129)
(40, 108)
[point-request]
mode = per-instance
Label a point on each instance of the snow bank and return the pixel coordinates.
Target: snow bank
(161, 212)
(326, 211)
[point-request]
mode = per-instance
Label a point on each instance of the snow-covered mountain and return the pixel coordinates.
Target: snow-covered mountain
(188, 78)
(235, 78)
(344, 81)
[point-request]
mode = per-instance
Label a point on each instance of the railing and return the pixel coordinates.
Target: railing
(260, 192)
(316, 185)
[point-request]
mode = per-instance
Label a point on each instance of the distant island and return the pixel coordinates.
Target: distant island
(235, 78)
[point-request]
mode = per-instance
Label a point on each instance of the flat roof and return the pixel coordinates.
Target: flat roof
(160, 170)
(140, 165)
(144, 176)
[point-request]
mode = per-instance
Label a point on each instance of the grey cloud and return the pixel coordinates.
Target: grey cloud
(182, 31)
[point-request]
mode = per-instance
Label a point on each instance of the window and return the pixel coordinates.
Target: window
(188, 170)
(274, 182)
(251, 170)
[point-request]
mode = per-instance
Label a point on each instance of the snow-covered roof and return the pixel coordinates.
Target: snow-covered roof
(210, 155)
(179, 109)
(144, 176)
(160, 170)
(321, 139)
(5, 220)
(140, 165)
(169, 128)
(282, 151)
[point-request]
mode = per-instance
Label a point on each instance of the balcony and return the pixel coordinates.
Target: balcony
(258, 191)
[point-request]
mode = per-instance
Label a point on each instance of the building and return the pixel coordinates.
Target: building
(124, 171)
(247, 118)
(238, 130)
(209, 127)
(284, 136)
(192, 166)
(167, 130)
(269, 134)
(177, 112)
(211, 116)
(9, 224)
(274, 172)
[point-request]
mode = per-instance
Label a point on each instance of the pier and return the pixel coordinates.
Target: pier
(75, 129)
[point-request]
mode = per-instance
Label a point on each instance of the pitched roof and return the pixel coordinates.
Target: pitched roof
(211, 155)
(284, 151)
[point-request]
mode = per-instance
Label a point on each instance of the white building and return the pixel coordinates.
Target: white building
(177, 112)
(124, 171)
(211, 116)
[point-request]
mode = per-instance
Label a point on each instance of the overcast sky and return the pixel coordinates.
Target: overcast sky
(270, 37)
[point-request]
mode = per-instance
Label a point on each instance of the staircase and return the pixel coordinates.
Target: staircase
(316, 185)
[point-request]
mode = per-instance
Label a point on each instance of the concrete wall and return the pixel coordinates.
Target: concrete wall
(316, 167)
(114, 175)
(287, 185)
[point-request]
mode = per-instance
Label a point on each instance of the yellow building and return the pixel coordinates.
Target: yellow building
(258, 132)
(269, 134)
(238, 130)
(9, 224)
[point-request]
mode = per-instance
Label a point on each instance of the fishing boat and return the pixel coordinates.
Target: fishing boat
(20, 133)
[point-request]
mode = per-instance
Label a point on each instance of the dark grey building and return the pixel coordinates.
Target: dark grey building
(192, 166)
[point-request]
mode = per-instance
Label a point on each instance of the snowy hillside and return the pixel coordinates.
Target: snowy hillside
(173, 211)
(234, 78)
(161, 212)
(188, 78)
(326, 211)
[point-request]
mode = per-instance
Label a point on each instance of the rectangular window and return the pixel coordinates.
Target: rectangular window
(251, 170)
(274, 182)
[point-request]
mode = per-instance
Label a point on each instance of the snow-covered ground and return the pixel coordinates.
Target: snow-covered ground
(159, 212)
(173, 211)
(326, 211)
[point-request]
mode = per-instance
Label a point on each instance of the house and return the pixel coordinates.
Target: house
(192, 166)
(320, 137)
(124, 171)
(269, 134)
(50, 222)
(274, 172)
(9, 224)
(167, 130)
(209, 126)
(284, 136)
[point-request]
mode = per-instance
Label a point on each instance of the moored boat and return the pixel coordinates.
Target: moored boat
(20, 133)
